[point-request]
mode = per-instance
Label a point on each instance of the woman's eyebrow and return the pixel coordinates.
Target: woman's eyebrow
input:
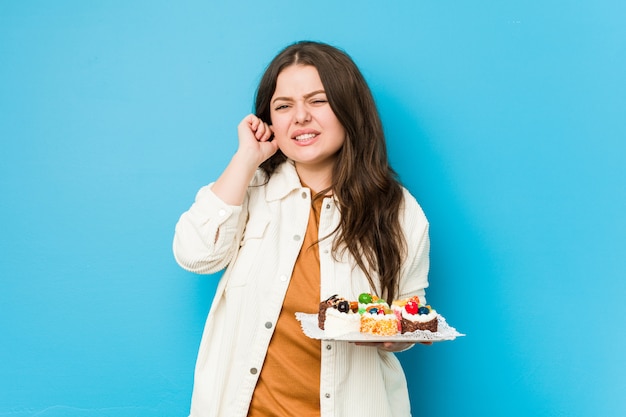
(308, 95)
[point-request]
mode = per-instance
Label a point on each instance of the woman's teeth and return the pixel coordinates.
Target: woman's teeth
(305, 136)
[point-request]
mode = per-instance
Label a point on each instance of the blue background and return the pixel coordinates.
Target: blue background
(505, 119)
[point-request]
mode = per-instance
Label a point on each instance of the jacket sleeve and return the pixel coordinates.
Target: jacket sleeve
(414, 278)
(207, 235)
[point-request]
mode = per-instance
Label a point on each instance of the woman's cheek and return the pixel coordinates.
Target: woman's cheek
(282, 141)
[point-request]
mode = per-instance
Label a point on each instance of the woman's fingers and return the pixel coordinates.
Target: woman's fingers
(267, 135)
(263, 132)
(260, 129)
(254, 137)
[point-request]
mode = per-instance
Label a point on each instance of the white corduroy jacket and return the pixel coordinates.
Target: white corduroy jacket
(258, 243)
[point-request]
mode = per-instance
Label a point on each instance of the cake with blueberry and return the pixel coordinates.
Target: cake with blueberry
(379, 323)
(377, 317)
(415, 316)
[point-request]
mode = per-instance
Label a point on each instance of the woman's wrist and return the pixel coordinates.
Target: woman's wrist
(231, 186)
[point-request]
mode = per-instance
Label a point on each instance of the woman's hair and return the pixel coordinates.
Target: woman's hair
(365, 186)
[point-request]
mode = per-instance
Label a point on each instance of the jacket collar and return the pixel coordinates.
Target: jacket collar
(283, 181)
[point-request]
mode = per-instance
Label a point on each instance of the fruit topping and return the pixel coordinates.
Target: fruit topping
(365, 298)
(411, 307)
(343, 306)
(424, 310)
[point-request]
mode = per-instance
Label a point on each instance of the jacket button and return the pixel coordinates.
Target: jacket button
(303, 194)
(328, 347)
(253, 371)
(327, 395)
(268, 325)
(296, 237)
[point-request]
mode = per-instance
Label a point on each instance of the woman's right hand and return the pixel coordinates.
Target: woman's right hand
(254, 148)
(254, 139)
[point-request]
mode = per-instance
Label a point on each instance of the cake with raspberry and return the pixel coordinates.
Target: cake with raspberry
(415, 316)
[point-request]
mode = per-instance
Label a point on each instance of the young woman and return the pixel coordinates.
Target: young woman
(308, 207)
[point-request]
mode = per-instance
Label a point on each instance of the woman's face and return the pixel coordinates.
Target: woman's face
(305, 127)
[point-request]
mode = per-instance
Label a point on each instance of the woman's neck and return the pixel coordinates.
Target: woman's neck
(316, 179)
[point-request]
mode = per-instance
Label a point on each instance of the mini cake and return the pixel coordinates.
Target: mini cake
(376, 316)
(341, 323)
(414, 316)
(379, 324)
(337, 317)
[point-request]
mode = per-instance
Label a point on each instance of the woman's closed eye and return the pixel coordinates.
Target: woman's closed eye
(317, 101)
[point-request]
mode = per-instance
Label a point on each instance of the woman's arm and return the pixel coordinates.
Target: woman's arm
(207, 235)
(254, 148)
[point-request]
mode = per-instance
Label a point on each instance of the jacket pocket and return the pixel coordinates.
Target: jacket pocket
(255, 229)
(251, 245)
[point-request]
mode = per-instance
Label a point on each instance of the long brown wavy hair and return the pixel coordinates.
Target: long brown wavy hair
(366, 188)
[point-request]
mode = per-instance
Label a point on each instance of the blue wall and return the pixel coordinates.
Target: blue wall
(505, 119)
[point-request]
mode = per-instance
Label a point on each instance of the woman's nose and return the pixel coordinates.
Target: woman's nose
(302, 114)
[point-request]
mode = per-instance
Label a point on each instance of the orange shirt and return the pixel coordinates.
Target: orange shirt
(289, 383)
